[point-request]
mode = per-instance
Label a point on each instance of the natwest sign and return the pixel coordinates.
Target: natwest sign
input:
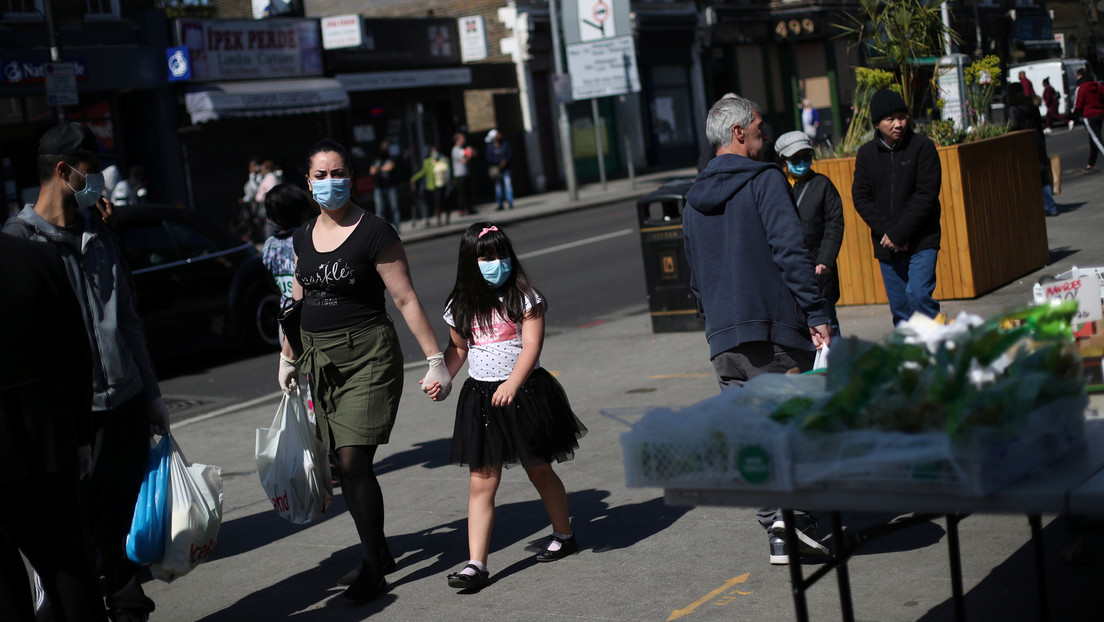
(249, 50)
(34, 71)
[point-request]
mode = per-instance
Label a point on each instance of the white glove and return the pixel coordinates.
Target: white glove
(158, 416)
(438, 373)
(288, 375)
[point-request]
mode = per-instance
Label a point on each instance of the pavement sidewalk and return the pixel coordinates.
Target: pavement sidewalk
(641, 560)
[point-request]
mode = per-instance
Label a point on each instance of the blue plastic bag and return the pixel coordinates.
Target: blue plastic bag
(145, 543)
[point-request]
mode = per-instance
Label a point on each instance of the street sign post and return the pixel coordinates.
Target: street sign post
(603, 68)
(61, 84)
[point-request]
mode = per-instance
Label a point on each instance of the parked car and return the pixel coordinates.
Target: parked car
(197, 284)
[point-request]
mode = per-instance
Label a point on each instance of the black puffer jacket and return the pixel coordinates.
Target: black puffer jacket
(896, 191)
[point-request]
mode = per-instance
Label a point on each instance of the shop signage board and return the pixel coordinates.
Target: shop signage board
(385, 80)
(14, 72)
(251, 50)
(473, 38)
(603, 68)
(179, 64)
(341, 31)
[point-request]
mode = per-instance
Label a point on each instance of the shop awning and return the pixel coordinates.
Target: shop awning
(263, 98)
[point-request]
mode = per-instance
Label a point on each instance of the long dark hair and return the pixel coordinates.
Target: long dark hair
(473, 300)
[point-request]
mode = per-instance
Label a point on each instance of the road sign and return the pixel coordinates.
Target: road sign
(61, 84)
(594, 20)
(603, 68)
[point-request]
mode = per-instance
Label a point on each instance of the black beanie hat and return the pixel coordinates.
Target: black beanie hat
(884, 103)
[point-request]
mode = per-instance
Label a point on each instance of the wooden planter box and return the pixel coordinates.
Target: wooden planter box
(994, 229)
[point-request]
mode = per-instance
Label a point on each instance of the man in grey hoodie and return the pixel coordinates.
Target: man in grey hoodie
(126, 400)
(751, 273)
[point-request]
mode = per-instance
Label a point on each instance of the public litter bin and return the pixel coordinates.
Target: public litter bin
(666, 272)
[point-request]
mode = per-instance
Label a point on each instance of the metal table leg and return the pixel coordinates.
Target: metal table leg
(1040, 566)
(956, 567)
(842, 552)
(797, 581)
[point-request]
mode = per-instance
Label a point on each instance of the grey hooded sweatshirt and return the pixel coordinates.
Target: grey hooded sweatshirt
(98, 272)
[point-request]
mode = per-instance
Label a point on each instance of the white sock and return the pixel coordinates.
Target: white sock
(473, 562)
(554, 545)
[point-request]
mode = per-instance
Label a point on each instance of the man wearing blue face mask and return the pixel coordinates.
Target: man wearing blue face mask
(821, 211)
(126, 401)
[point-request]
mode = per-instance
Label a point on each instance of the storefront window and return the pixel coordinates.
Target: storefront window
(672, 115)
(11, 110)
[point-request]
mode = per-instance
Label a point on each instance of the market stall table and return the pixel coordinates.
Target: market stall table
(1074, 486)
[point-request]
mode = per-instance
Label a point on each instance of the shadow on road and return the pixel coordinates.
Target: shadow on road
(600, 528)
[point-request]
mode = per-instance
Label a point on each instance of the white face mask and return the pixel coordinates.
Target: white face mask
(93, 186)
(331, 193)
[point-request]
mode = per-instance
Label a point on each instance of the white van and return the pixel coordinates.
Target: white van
(1063, 77)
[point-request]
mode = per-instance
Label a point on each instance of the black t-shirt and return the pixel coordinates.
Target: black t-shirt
(342, 288)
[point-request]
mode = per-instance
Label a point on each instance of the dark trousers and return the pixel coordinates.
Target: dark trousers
(1095, 124)
(463, 195)
(736, 366)
(46, 521)
(120, 453)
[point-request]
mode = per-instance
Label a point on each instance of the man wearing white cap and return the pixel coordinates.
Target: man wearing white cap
(821, 211)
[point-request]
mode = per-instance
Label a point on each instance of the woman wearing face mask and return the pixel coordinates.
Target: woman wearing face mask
(821, 211)
(344, 260)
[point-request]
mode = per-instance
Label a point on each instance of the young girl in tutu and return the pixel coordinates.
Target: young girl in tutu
(510, 411)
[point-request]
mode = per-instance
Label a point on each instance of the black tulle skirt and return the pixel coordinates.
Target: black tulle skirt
(537, 428)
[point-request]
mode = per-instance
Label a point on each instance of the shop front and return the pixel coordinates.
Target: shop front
(256, 92)
(122, 94)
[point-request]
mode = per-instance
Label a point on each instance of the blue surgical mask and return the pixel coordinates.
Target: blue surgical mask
(331, 193)
(496, 271)
(801, 168)
(93, 186)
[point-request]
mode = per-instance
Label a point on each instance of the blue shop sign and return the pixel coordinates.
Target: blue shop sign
(179, 63)
(34, 71)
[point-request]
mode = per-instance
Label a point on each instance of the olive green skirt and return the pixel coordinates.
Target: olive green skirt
(356, 377)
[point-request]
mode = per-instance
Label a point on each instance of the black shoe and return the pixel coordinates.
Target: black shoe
(350, 577)
(498, 209)
(469, 581)
(363, 590)
(567, 547)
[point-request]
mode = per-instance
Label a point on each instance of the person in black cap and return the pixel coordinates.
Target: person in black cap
(896, 191)
(126, 401)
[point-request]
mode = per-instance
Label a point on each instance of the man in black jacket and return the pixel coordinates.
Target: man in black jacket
(896, 191)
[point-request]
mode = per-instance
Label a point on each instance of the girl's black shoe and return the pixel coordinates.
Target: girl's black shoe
(469, 581)
(567, 547)
(364, 589)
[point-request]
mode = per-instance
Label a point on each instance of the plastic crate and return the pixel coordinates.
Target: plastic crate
(897, 462)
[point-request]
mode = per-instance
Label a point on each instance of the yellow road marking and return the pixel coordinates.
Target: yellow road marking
(678, 613)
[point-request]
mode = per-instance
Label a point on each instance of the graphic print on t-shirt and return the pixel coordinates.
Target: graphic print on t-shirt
(501, 329)
(330, 276)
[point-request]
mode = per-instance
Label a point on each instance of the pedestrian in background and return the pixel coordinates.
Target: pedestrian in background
(45, 437)
(1025, 83)
(810, 119)
(499, 155)
(1051, 99)
(752, 275)
(821, 211)
(345, 258)
(132, 190)
(126, 401)
(1090, 108)
(424, 183)
(386, 195)
(510, 410)
(461, 156)
(896, 191)
(288, 207)
(1023, 114)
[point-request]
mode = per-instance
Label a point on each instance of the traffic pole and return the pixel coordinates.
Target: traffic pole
(566, 151)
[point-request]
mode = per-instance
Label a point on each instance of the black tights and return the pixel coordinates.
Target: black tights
(365, 502)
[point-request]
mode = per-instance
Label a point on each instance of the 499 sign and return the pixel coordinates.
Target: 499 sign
(795, 28)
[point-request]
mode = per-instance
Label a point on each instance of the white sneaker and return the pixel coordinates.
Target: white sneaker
(808, 546)
(1046, 130)
(1071, 124)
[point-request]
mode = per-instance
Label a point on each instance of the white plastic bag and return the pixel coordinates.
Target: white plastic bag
(821, 359)
(195, 515)
(293, 464)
